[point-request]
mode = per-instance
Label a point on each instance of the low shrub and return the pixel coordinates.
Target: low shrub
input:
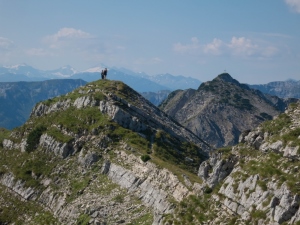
(34, 138)
(145, 158)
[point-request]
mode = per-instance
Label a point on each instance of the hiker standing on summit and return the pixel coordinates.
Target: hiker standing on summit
(105, 73)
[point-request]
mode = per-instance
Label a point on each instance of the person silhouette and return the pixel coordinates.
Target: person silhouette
(105, 73)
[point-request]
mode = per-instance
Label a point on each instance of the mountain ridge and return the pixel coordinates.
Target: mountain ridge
(139, 81)
(108, 128)
(219, 110)
(102, 154)
(282, 89)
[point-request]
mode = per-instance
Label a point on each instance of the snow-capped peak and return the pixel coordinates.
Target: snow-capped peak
(16, 66)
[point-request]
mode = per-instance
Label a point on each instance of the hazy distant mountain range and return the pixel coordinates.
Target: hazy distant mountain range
(140, 82)
(282, 89)
(18, 98)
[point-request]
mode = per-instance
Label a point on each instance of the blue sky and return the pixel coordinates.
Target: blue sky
(253, 40)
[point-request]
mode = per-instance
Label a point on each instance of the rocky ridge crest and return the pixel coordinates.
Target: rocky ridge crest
(221, 109)
(78, 158)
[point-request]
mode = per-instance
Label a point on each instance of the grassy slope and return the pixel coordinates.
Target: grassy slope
(36, 164)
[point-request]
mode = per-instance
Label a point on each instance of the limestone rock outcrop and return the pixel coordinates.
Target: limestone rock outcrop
(253, 184)
(216, 169)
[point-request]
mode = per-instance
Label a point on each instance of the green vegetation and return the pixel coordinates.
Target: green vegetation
(293, 105)
(32, 169)
(258, 214)
(83, 219)
(266, 116)
(15, 211)
(45, 218)
(185, 155)
(28, 167)
(226, 96)
(78, 120)
(241, 103)
(275, 126)
(145, 219)
(292, 136)
(106, 187)
(118, 198)
(272, 165)
(58, 135)
(225, 151)
(34, 138)
(4, 133)
(138, 142)
(236, 101)
(145, 158)
(77, 185)
(192, 210)
(211, 86)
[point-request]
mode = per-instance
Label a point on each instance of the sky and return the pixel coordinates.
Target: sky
(255, 41)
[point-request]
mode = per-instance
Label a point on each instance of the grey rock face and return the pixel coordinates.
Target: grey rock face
(283, 206)
(8, 144)
(87, 159)
(151, 185)
(18, 187)
(42, 109)
(262, 141)
(241, 192)
(150, 195)
(84, 101)
(220, 110)
(216, 169)
(60, 149)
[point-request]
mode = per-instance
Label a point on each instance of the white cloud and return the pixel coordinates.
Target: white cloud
(5, 44)
(294, 4)
(66, 36)
(245, 47)
(237, 46)
(70, 33)
(214, 47)
(69, 44)
(188, 48)
(242, 46)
